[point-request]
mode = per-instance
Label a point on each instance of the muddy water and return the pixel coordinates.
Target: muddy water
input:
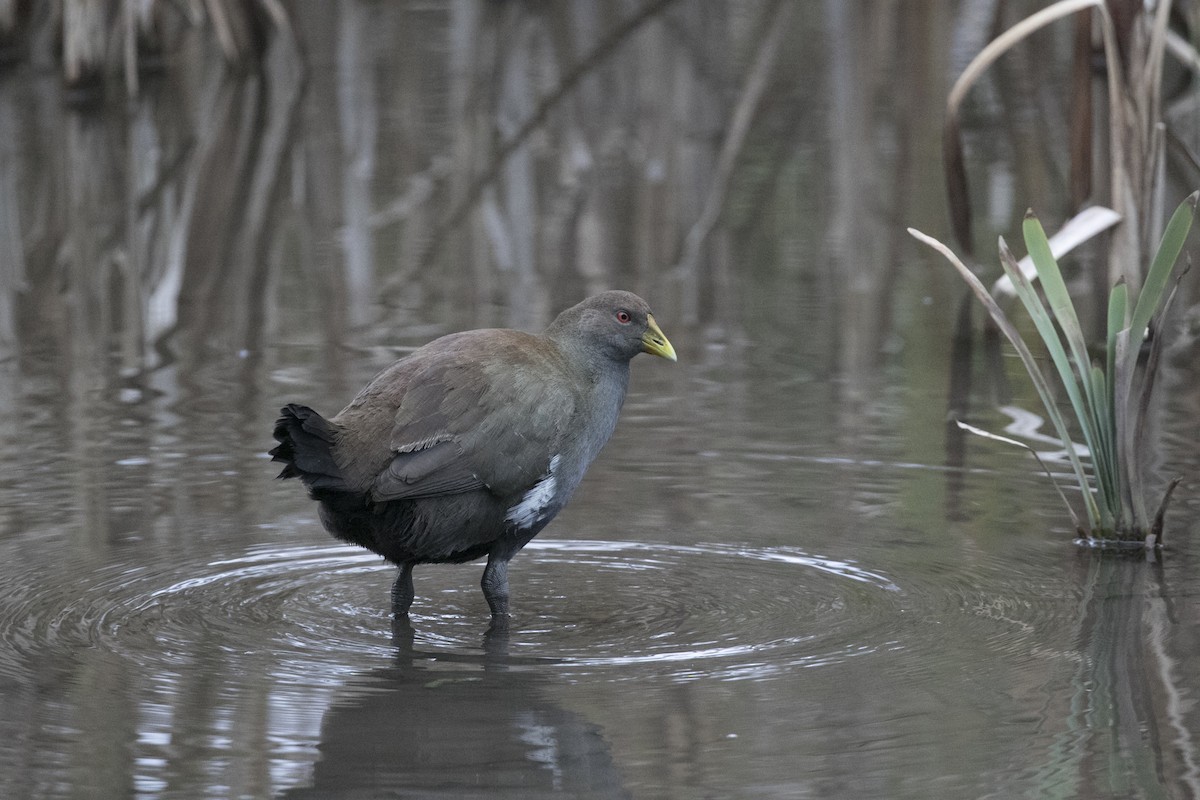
(728, 608)
(783, 577)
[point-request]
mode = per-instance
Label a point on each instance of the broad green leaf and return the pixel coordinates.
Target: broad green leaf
(1083, 227)
(1059, 298)
(1104, 459)
(1160, 270)
(1118, 312)
(1070, 381)
(1140, 414)
(1029, 296)
(1129, 414)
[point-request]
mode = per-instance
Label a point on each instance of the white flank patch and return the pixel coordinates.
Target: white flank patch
(530, 510)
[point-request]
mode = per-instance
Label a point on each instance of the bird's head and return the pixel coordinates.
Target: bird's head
(616, 324)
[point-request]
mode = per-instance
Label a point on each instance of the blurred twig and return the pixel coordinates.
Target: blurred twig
(603, 49)
(739, 126)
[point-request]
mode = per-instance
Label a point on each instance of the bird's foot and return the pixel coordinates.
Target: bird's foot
(497, 631)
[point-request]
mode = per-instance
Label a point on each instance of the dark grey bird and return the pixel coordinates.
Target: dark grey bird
(469, 446)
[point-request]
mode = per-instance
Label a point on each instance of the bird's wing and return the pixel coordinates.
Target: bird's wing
(461, 427)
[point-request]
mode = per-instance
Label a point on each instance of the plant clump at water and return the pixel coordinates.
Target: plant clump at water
(1109, 399)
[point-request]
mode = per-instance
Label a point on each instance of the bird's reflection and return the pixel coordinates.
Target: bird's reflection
(434, 724)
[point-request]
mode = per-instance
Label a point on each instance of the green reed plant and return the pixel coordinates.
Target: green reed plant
(1109, 399)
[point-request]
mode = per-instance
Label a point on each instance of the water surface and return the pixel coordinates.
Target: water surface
(784, 577)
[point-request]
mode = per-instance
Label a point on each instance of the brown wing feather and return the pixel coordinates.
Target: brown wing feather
(467, 413)
(431, 472)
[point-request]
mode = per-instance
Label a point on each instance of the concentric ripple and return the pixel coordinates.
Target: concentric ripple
(617, 608)
(157, 617)
(701, 610)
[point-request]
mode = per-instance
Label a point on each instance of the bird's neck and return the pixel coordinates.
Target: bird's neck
(605, 381)
(606, 395)
(609, 387)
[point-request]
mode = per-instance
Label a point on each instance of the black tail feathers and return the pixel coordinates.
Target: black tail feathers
(306, 442)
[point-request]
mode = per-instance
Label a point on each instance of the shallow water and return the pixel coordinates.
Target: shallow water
(784, 577)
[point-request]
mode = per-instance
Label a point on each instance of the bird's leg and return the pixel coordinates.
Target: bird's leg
(495, 585)
(402, 590)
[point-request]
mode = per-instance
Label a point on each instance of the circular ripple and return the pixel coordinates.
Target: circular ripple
(700, 610)
(618, 608)
(263, 600)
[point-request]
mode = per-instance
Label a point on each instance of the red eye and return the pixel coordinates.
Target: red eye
(623, 317)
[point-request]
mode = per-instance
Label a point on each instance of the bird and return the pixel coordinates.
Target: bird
(470, 445)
